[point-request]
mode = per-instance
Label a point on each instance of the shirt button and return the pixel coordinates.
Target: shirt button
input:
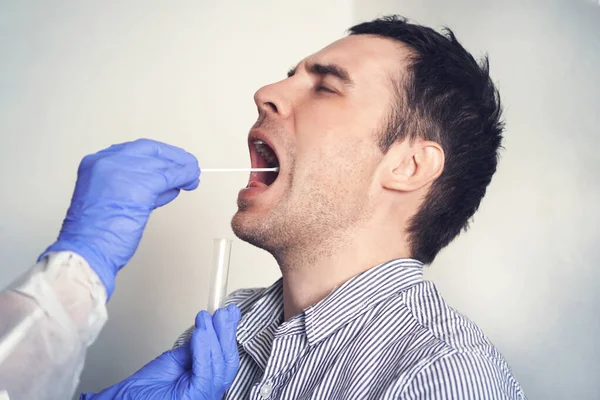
(266, 390)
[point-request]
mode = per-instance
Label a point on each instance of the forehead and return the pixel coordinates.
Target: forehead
(368, 59)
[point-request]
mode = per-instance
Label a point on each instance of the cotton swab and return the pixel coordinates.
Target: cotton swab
(276, 169)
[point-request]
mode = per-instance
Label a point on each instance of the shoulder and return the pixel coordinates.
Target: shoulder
(466, 365)
(462, 376)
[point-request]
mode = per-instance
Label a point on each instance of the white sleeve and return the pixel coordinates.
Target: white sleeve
(48, 318)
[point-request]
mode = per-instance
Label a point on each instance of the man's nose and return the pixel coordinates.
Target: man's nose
(272, 101)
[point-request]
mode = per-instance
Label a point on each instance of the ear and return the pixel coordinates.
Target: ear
(410, 166)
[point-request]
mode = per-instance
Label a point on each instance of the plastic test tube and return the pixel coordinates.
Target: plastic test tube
(219, 274)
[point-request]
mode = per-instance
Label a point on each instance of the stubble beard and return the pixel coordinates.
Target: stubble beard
(300, 233)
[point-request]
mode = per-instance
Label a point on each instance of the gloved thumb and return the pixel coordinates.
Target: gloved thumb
(182, 354)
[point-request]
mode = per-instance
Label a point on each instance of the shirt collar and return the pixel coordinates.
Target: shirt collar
(360, 294)
(262, 313)
(354, 297)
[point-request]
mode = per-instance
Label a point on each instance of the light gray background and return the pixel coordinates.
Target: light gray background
(76, 77)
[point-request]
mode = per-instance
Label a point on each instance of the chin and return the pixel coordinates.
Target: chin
(252, 228)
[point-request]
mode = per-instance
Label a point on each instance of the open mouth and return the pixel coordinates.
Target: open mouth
(262, 155)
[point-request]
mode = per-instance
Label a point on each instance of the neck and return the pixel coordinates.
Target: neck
(311, 273)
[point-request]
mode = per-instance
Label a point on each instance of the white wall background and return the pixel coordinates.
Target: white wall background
(76, 77)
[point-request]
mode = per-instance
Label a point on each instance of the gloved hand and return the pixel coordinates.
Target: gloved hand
(203, 368)
(116, 190)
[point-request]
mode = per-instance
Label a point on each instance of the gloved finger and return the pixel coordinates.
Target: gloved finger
(216, 355)
(166, 197)
(186, 177)
(127, 168)
(202, 362)
(225, 322)
(202, 379)
(123, 163)
(152, 148)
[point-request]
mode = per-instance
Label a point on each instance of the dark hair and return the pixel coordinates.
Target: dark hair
(449, 98)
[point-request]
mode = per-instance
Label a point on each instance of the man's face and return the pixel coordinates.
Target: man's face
(322, 124)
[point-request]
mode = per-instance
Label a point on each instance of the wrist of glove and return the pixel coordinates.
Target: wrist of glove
(105, 243)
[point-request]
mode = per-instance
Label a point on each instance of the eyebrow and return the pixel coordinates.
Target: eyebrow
(327, 69)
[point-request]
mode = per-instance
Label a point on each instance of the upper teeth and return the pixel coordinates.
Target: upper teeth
(266, 152)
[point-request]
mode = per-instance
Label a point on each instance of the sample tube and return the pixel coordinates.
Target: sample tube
(219, 274)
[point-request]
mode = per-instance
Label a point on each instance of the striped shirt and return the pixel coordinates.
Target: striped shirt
(385, 334)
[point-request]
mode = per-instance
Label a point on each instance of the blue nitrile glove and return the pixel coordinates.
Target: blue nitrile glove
(116, 190)
(203, 368)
